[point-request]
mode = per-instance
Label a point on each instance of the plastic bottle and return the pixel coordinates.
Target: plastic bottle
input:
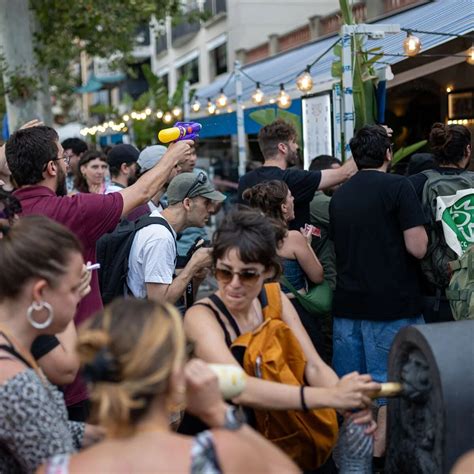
(354, 449)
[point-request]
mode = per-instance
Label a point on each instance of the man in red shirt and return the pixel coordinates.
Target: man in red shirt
(38, 165)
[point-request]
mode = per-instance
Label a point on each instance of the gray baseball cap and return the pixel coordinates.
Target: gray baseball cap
(192, 185)
(150, 156)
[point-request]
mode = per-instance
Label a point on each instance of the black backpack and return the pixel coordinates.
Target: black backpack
(112, 253)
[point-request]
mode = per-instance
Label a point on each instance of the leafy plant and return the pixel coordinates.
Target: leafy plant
(269, 115)
(403, 152)
(365, 105)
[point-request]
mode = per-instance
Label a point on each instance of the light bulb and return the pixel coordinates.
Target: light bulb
(229, 109)
(196, 105)
(147, 111)
(126, 118)
(211, 108)
(167, 117)
(159, 114)
(470, 56)
(221, 101)
(305, 82)
(284, 100)
(257, 96)
(411, 44)
(176, 111)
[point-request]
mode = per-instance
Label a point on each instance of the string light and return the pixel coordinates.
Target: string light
(176, 111)
(167, 117)
(257, 96)
(126, 118)
(159, 114)
(211, 108)
(221, 101)
(411, 44)
(449, 89)
(470, 55)
(305, 82)
(196, 105)
(147, 111)
(284, 100)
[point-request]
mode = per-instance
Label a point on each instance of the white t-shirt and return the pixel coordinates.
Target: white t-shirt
(113, 188)
(152, 258)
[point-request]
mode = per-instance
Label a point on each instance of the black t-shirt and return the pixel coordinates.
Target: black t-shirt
(376, 277)
(302, 184)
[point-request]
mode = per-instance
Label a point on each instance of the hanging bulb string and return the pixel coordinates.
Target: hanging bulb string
(426, 55)
(439, 33)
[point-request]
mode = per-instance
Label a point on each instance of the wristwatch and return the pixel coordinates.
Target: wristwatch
(234, 418)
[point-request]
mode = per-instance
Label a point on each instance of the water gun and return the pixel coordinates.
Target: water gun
(180, 131)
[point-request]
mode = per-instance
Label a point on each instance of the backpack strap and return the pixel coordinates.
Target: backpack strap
(222, 308)
(145, 221)
(270, 299)
(228, 340)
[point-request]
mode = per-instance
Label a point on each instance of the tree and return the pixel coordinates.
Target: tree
(41, 38)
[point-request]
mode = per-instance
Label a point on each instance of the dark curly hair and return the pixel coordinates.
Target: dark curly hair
(253, 235)
(448, 142)
(268, 197)
(271, 135)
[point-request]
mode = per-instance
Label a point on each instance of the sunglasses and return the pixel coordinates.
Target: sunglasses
(246, 277)
(200, 179)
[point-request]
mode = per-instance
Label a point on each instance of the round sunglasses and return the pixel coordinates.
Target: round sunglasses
(246, 277)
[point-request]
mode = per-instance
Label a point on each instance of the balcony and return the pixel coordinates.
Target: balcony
(214, 7)
(184, 31)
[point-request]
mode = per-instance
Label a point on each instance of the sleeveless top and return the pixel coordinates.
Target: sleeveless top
(203, 457)
(294, 273)
(33, 421)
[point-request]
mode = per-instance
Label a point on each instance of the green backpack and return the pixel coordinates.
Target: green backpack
(448, 202)
(460, 292)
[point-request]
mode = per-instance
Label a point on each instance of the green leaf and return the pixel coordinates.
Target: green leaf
(406, 151)
(373, 60)
(263, 117)
(336, 69)
(346, 11)
(337, 50)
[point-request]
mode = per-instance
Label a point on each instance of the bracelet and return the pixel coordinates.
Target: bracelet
(304, 407)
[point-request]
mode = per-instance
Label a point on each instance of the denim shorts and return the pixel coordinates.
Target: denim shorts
(363, 346)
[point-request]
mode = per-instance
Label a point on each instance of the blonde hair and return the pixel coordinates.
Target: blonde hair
(129, 352)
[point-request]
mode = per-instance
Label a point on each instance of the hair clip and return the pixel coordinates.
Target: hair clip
(102, 368)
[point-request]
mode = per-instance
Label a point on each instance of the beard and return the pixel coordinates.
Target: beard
(131, 180)
(292, 158)
(61, 188)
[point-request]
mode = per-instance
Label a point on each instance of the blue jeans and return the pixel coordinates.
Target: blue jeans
(363, 346)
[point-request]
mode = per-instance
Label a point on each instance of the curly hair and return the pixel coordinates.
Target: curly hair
(268, 197)
(448, 142)
(271, 135)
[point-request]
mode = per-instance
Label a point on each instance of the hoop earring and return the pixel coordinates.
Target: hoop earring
(38, 307)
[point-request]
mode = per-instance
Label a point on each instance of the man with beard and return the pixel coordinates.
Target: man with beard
(278, 145)
(38, 165)
(122, 161)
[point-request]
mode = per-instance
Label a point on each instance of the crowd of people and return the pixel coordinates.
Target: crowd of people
(315, 272)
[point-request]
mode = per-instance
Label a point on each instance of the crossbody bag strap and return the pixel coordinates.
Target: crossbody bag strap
(149, 220)
(287, 283)
(222, 308)
(228, 340)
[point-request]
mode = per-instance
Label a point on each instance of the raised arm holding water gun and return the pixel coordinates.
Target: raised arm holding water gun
(180, 131)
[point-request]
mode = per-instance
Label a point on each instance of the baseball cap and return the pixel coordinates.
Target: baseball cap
(122, 153)
(192, 185)
(150, 156)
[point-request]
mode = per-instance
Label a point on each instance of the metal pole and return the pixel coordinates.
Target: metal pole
(347, 96)
(186, 110)
(240, 119)
(336, 95)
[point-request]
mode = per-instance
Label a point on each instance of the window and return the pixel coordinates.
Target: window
(191, 69)
(218, 60)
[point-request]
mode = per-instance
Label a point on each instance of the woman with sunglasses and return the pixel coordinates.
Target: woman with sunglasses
(244, 256)
(41, 282)
(300, 264)
(133, 397)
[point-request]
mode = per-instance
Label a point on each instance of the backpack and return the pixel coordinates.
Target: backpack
(273, 353)
(447, 200)
(112, 253)
(460, 292)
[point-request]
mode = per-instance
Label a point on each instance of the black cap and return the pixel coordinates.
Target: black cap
(123, 153)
